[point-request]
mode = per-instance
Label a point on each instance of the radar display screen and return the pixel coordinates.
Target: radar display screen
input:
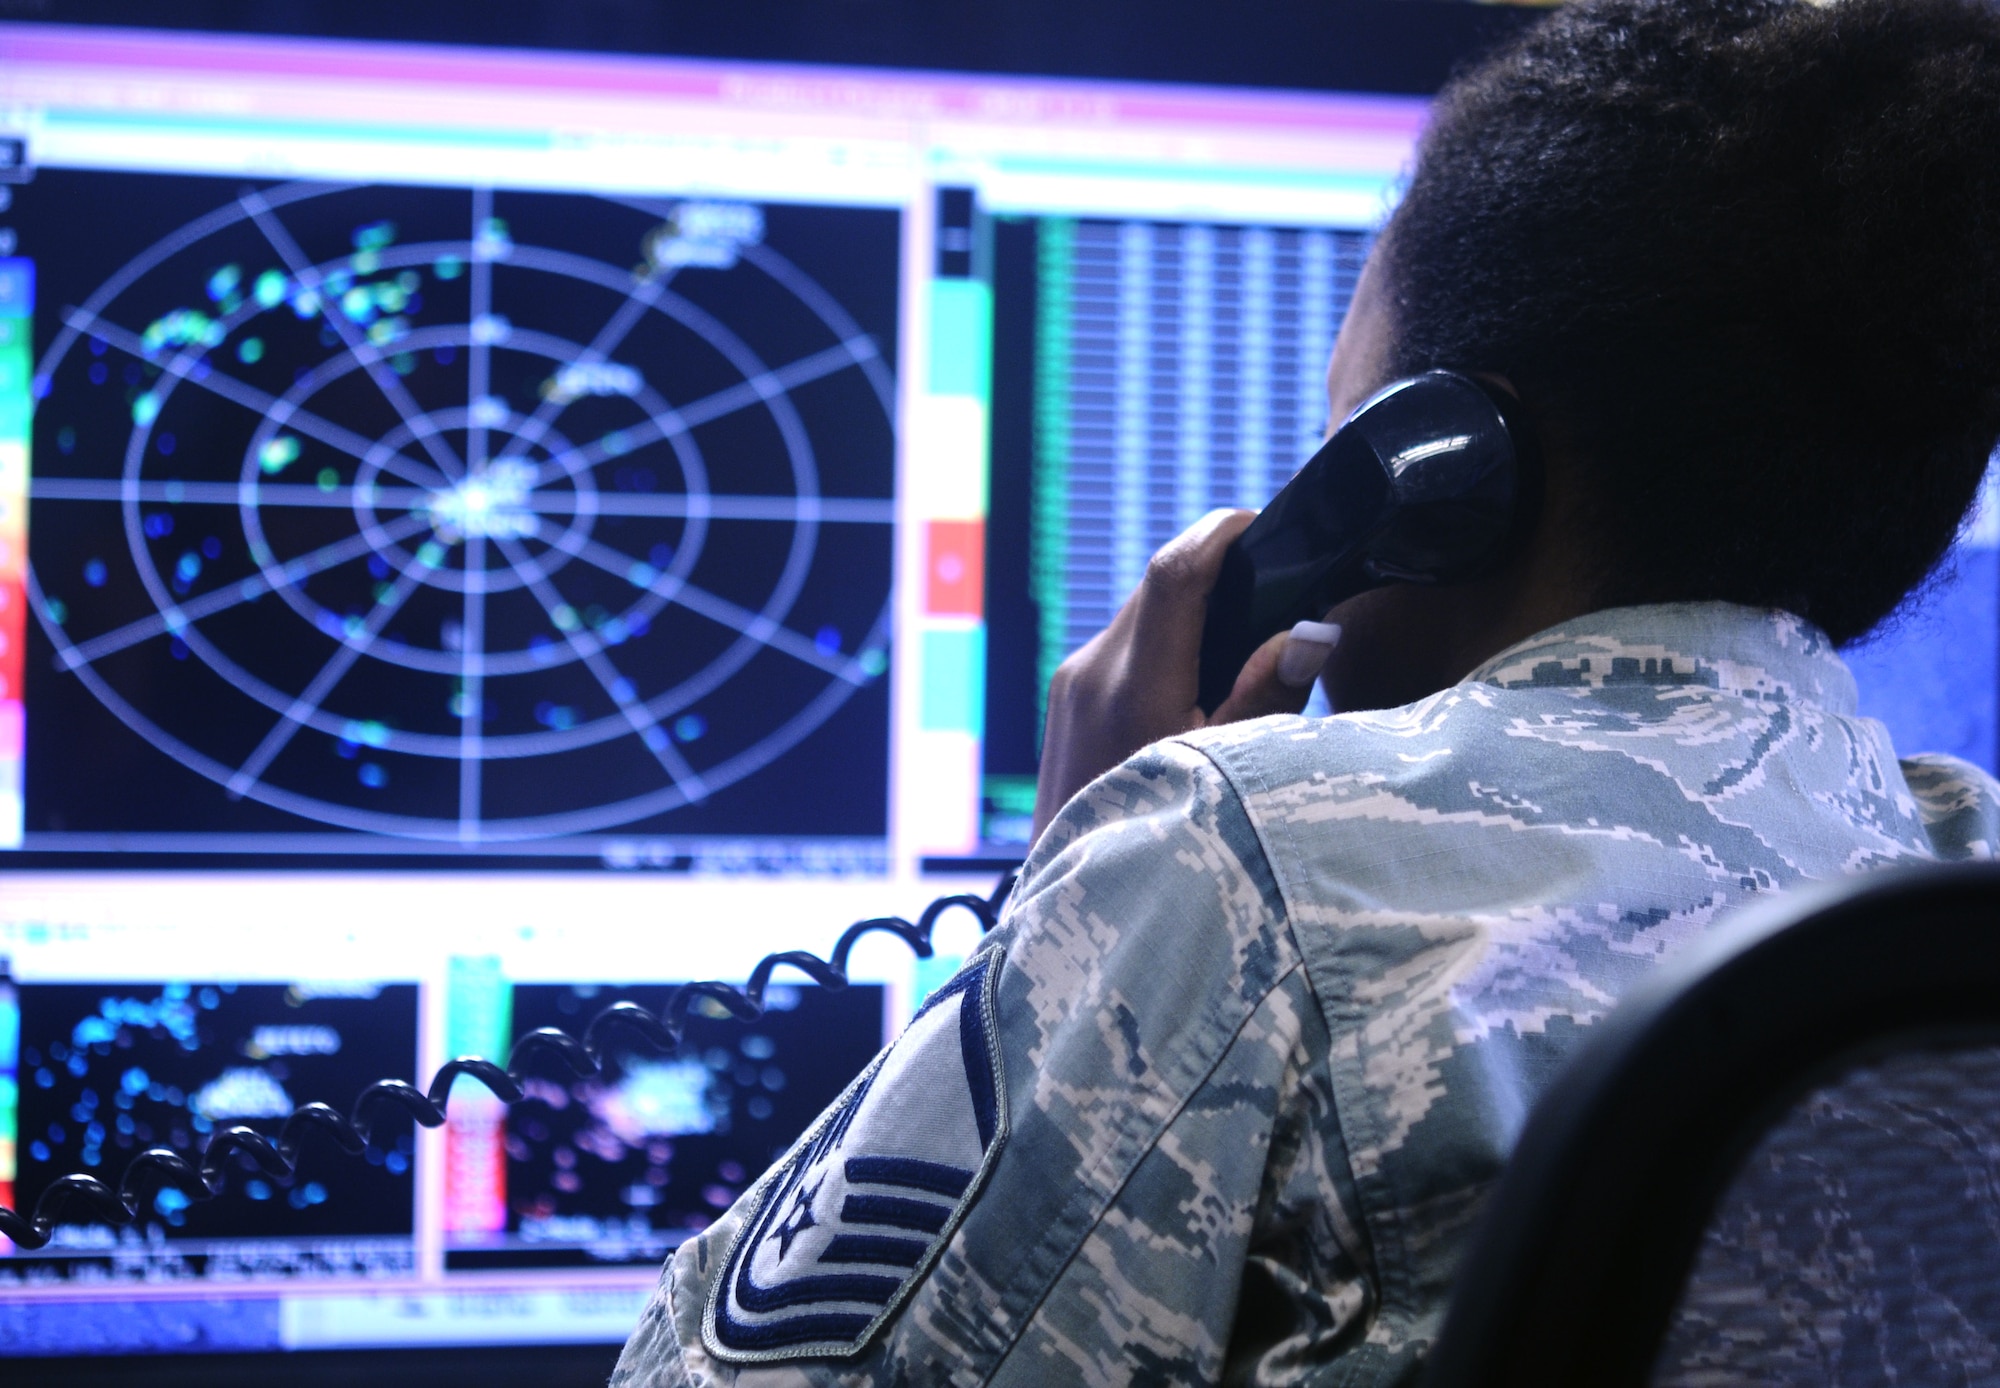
(108, 1070)
(460, 520)
(619, 1168)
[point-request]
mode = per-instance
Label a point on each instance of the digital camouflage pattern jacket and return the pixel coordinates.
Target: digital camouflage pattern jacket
(1218, 1100)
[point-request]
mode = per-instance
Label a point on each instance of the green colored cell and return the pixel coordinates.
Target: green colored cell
(1048, 525)
(1010, 794)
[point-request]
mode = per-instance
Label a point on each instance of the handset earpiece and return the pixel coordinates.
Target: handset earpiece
(1434, 479)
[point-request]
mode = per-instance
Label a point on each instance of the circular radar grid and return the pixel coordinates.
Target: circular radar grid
(423, 521)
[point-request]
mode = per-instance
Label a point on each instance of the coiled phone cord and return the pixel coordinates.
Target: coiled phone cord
(159, 1167)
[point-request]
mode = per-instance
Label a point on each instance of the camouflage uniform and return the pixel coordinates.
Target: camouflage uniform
(1273, 1000)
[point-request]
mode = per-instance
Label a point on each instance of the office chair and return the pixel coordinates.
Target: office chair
(1775, 1163)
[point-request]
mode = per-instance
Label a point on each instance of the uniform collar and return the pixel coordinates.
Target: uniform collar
(1751, 652)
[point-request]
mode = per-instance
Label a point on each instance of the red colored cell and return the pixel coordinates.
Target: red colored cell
(955, 568)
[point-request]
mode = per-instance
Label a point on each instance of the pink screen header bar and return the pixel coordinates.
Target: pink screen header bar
(865, 92)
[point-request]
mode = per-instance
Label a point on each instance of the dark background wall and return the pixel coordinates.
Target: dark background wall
(1356, 45)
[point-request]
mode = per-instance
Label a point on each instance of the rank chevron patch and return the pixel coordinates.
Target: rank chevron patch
(844, 1230)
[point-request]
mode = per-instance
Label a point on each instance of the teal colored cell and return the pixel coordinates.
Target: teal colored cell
(961, 338)
(954, 681)
(478, 1008)
(369, 733)
(10, 1045)
(278, 453)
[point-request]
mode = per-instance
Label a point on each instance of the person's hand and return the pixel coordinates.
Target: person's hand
(1136, 681)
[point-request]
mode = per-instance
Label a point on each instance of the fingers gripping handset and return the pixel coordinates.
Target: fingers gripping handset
(1432, 480)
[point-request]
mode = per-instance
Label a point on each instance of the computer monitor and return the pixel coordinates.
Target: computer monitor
(487, 534)
(490, 534)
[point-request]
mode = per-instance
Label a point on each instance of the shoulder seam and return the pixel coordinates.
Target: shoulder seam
(1273, 855)
(1264, 848)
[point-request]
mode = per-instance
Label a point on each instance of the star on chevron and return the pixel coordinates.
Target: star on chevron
(797, 1220)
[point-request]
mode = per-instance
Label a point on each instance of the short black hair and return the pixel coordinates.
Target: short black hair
(1745, 256)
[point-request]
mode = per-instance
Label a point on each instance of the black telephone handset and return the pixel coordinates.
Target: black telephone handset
(1432, 480)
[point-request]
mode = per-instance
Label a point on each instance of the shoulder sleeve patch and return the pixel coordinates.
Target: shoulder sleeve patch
(840, 1234)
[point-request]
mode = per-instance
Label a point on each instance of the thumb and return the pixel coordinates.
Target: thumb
(1278, 677)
